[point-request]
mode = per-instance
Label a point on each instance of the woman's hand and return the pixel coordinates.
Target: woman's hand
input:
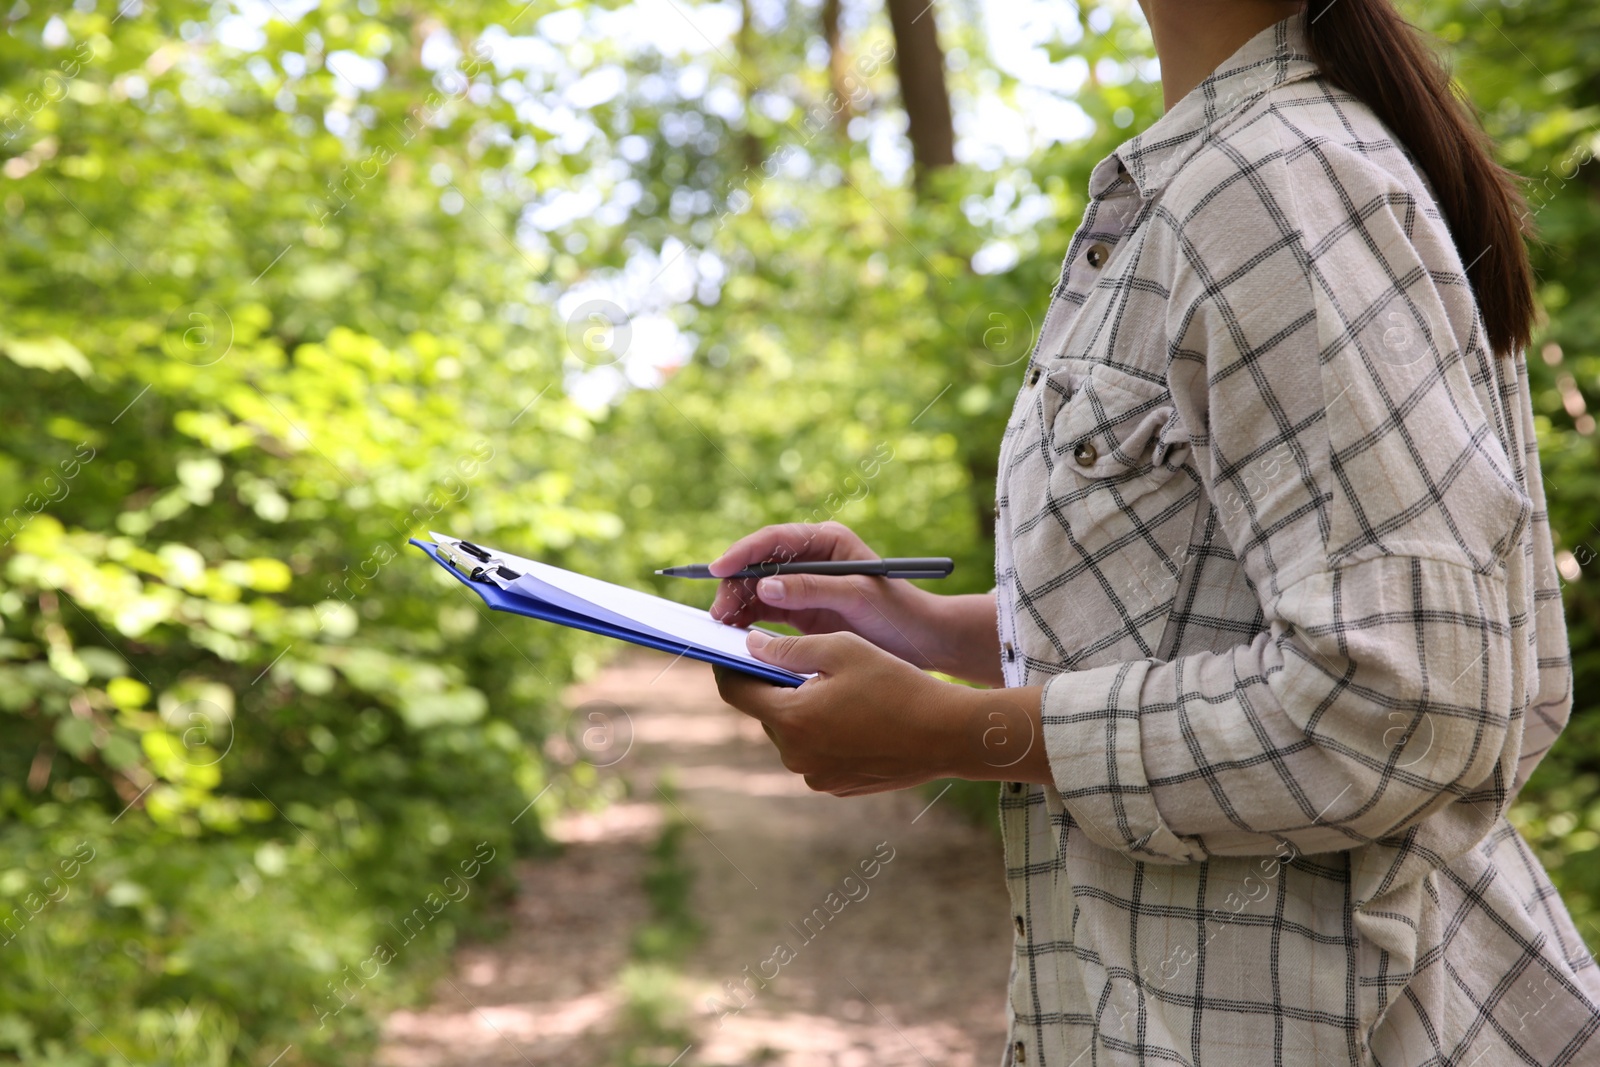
(868, 721)
(954, 634)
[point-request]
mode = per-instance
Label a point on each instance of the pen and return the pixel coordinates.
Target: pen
(916, 567)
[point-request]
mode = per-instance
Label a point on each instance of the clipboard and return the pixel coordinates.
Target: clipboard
(519, 586)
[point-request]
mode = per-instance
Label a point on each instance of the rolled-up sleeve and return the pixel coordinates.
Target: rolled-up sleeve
(1350, 430)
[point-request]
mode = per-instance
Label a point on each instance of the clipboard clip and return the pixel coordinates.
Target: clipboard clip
(476, 563)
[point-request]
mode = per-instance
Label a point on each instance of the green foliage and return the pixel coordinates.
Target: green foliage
(673, 928)
(264, 318)
(655, 1017)
(1532, 71)
(237, 379)
(656, 1024)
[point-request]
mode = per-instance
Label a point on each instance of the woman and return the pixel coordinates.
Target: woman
(1276, 627)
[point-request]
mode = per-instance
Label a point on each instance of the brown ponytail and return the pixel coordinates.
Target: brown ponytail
(1367, 49)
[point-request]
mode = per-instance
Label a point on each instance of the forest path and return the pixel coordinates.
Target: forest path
(911, 973)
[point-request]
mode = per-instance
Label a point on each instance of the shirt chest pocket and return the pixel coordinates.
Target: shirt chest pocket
(1114, 437)
(1103, 513)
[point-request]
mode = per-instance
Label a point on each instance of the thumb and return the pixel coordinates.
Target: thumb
(803, 655)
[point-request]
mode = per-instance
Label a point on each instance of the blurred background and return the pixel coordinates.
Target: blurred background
(285, 283)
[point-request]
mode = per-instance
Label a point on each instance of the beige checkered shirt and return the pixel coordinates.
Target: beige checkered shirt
(1272, 534)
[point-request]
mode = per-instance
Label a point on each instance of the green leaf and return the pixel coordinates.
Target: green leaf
(459, 707)
(75, 736)
(46, 353)
(120, 752)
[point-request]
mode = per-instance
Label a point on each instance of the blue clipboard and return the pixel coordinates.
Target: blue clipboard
(515, 604)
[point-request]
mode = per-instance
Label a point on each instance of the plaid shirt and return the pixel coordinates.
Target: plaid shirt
(1271, 533)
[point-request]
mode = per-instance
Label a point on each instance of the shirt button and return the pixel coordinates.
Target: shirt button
(1020, 929)
(1033, 376)
(1015, 787)
(1097, 255)
(1085, 454)
(1011, 653)
(1019, 1054)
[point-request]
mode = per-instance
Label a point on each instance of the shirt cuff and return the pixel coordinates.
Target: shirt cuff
(1092, 738)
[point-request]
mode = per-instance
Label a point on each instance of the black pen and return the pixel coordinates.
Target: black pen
(916, 567)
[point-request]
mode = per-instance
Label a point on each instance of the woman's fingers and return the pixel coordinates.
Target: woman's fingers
(756, 698)
(804, 655)
(739, 604)
(847, 595)
(792, 541)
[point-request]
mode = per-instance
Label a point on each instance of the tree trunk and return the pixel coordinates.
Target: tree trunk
(920, 63)
(983, 469)
(744, 44)
(838, 63)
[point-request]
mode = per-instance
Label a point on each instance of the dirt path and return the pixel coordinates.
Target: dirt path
(907, 968)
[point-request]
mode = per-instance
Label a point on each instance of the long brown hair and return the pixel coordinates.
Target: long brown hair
(1367, 49)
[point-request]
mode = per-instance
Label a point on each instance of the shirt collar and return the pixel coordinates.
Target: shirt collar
(1276, 56)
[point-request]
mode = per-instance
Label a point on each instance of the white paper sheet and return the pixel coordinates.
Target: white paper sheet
(618, 604)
